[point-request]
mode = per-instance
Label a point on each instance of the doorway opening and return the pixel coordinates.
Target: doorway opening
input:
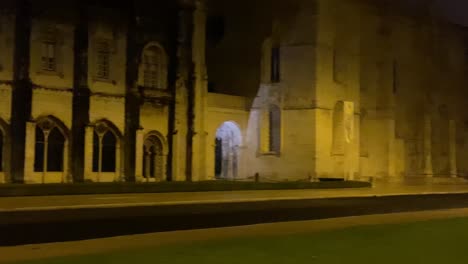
(227, 145)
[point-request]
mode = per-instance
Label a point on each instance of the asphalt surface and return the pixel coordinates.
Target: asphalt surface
(110, 245)
(57, 224)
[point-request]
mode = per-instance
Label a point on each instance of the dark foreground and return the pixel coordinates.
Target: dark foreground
(384, 244)
(29, 227)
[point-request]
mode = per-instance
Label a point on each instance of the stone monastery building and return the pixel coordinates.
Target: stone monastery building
(190, 90)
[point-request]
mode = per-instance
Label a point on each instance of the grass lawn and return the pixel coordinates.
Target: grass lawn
(441, 241)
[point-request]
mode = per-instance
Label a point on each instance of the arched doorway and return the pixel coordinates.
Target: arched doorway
(227, 143)
(153, 159)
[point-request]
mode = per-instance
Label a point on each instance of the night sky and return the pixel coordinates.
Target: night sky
(455, 10)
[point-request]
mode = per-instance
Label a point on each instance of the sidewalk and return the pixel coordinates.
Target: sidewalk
(9, 204)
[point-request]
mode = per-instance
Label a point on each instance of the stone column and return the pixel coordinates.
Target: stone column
(88, 161)
(391, 170)
(179, 124)
(453, 149)
(348, 121)
(66, 177)
(199, 170)
(119, 161)
(139, 156)
(29, 150)
(428, 146)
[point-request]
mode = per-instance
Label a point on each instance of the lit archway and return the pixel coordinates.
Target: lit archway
(227, 144)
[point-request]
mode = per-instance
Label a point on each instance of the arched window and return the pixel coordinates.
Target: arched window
(153, 160)
(153, 68)
(50, 145)
(1, 150)
(104, 149)
(274, 121)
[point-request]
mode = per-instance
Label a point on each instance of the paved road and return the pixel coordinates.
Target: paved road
(39, 226)
(108, 245)
(25, 220)
(126, 200)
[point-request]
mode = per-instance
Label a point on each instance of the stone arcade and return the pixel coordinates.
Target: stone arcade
(194, 90)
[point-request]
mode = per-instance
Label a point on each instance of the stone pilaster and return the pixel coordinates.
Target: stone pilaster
(200, 92)
(88, 161)
(139, 156)
(453, 149)
(29, 153)
(427, 146)
(179, 129)
(391, 162)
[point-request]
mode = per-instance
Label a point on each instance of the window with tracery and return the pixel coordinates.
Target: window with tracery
(103, 59)
(154, 68)
(104, 149)
(153, 162)
(50, 145)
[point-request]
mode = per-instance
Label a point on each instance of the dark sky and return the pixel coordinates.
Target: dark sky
(455, 10)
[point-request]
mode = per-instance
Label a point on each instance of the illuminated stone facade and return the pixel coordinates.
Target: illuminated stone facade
(365, 89)
(101, 91)
(198, 90)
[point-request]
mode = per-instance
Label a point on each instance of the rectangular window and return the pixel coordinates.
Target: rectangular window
(48, 56)
(275, 65)
(103, 59)
(395, 77)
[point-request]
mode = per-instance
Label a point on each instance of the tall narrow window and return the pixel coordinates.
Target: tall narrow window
(96, 154)
(39, 152)
(109, 143)
(103, 59)
(275, 65)
(55, 144)
(1, 151)
(395, 77)
(48, 56)
(274, 129)
(104, 149)
(154, 68)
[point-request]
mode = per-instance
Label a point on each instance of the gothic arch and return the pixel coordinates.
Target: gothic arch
(154, 156)
(106, 124)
